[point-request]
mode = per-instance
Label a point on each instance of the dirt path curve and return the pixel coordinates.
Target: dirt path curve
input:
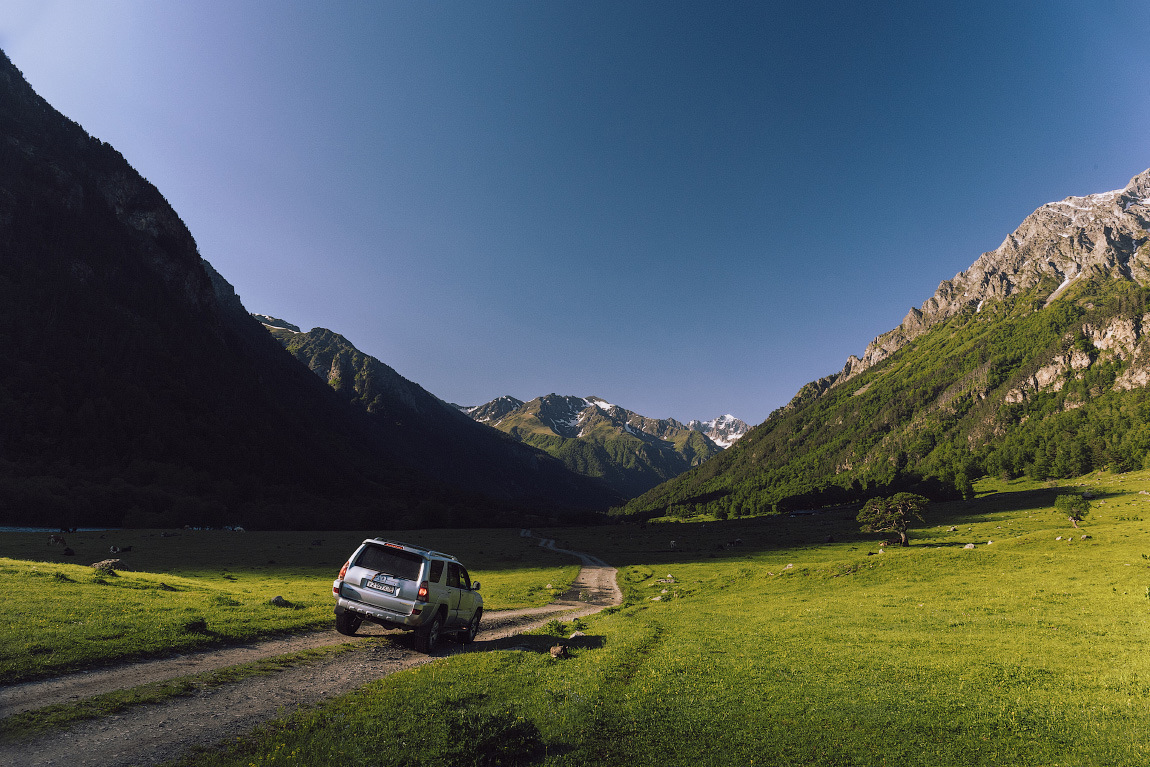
(152, 734)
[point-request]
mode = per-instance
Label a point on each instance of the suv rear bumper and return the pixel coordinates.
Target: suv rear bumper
(383, 616)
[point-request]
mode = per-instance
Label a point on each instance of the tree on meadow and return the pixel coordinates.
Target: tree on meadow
(1074, 506)
(892, 515)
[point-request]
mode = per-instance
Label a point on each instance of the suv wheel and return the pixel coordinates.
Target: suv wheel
(467, 636)
(347, 622)
(427, 638)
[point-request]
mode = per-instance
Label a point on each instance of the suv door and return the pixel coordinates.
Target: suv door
(463, 599)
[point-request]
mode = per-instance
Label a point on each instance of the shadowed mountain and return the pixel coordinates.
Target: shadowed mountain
(135, 389)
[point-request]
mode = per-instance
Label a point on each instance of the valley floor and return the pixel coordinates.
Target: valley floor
(153, 734)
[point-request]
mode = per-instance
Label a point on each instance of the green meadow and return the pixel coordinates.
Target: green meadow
(792, 650)
(198, 589)
(807, 644)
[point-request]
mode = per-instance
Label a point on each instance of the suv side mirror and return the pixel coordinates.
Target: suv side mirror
(475, 586)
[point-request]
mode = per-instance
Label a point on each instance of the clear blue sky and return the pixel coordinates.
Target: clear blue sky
(688, 209)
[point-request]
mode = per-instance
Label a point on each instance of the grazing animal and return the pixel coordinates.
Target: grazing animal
(56, 540)
(113, 549)
(674, 545)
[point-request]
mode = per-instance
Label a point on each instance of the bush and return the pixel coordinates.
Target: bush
(1074, 506)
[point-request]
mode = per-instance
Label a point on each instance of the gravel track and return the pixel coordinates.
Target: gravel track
(153, 734)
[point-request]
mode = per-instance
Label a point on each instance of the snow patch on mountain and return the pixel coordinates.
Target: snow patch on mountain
(724, 431)
(278, 324)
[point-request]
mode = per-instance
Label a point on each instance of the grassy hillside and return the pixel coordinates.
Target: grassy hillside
(789, 650)
(940, 412)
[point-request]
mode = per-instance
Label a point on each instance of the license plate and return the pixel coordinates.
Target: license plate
(386, 588)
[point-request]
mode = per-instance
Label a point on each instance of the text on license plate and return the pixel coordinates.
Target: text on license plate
(387, 588)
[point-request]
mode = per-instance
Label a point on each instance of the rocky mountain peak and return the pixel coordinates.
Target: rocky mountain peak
(1060, 243)
(724, 431)
(495, 410)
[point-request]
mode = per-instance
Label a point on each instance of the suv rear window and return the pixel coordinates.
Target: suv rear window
(397, 562)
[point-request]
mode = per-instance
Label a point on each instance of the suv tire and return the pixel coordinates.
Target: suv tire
(467, 636)
(347, 623)
(427, 638)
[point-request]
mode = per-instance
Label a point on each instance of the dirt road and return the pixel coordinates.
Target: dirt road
(152, 734)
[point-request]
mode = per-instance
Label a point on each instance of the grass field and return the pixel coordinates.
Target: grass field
(792, 650)
(204, 588)
(802, 646)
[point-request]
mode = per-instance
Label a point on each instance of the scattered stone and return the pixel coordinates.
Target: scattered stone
(1059, 538)
(664, 591)
(989, 542)
(1085, 537)
(279, 601)
(656, 598)
(952, 529)
(108, 566)
(788, 567)
(969, 546)
(69, 553)
(576, 635)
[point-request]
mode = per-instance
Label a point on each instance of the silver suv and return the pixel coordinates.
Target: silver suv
(400, 586)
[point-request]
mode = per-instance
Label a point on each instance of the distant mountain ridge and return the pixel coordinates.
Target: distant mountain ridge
(431, 435)
(629, 451)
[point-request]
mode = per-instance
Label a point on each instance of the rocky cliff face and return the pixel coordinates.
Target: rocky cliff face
(724, 431)
(1057, 245)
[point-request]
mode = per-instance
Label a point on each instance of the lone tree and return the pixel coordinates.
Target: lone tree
(892, 515)
(1074, 506)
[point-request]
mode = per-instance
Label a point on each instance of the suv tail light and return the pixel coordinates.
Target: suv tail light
(342, 573)
(422, 595)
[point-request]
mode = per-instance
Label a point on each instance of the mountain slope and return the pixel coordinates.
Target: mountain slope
(1033, 360)
(628, 451)
(435, 437)
(135, 389)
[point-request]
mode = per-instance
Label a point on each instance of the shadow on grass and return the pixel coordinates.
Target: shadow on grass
(541, 644)
(665, 544)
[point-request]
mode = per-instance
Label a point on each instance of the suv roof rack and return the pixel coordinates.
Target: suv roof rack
(421, 549)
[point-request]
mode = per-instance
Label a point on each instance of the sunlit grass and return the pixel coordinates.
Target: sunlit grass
(206, 588)
(792, 650)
